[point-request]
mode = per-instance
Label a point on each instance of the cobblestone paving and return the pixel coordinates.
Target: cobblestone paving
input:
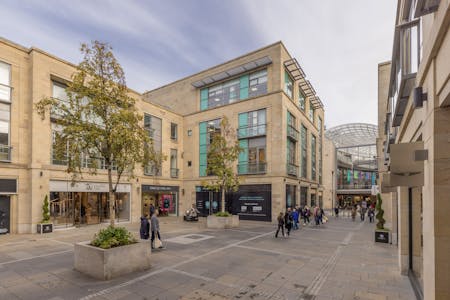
(337, 260)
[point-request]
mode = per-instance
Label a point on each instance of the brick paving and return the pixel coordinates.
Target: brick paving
(337, 260)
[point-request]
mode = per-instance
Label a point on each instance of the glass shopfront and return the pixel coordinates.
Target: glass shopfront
(86, 203)
(291, 192)
(164, 198)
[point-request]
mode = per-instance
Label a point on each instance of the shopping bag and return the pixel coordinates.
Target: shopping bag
(158, 243)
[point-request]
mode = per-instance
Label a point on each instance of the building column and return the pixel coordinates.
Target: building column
(403, 230)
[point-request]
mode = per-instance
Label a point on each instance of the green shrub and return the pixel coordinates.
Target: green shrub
(111, 237)
(222, 214)
(45, 210)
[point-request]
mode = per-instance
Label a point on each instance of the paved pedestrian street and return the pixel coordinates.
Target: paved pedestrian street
(337, 260)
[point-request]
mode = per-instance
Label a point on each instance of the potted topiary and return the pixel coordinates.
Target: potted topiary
(381, 233)
(45, 226)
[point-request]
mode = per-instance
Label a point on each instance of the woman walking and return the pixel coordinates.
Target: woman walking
(155, 229)
(280, 224)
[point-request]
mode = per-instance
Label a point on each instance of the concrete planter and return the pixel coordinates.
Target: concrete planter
(222, 222)
(105, 264)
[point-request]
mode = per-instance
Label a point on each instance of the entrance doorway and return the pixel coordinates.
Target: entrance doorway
(5, 214)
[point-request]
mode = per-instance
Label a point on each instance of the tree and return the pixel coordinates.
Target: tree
(100, 126)
(222, 153)
(380, 213)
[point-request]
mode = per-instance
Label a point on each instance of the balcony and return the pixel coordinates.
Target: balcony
(292, 132)
(174, 172)
(5, 153)
(251, 131)
(292, 169)
(252, 168)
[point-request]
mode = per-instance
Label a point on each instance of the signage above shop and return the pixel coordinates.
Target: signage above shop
(8, 186)
(96, 187)
(160, 188)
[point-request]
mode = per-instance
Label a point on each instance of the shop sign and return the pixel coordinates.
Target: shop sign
(8, 186)
(160, 188)
(96, 187)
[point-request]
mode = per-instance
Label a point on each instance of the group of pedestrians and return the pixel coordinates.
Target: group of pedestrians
(152, 226)
(363, 208)
(290, 220)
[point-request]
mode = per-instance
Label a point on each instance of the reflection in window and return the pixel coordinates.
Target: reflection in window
(258, 83)
(223, 94)
(5, 77)
(153, 126)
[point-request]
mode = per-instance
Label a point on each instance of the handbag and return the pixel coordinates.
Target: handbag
(158, 243)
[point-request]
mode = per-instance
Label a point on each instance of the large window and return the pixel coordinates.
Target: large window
(247, 85)
(5, 111)
(153, 127)
(301, 99)
(313, 157)
(288, 84)
(311, 112)
(258, 83)
(251, 133)
(173, 131)
(304, 147)
(207, 131)
(173, 163)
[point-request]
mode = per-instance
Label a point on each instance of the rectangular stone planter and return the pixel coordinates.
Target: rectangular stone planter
(105, 264)
(44, 228)
(222, 222)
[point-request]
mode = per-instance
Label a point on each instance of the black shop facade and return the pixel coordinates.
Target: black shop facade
(250, 202)
(163, 197)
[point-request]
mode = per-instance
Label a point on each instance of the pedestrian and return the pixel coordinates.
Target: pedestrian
(155, 229)
(152, 209)
(371, 214)
(145, 228)
(295, 217)
(280, 220)
(306, 214)
(317, 215)
(336, 211)
(363, 209)
(322, 214)
(353, 213)
(288, 220)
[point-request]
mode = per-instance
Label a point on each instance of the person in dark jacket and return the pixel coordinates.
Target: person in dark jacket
(152, 209)
(288, 220)
(280, 220)
(295, 216)
(145, 228)
(155, 228)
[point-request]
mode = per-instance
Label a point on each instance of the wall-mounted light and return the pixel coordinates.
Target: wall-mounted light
(182, 192)
(419, 97)
(41, 173)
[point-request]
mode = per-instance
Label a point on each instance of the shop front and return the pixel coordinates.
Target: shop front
(252, 202)
(291, 192)
(8, 187)
(303, 196)
(209, 202)
(86, 203)
(164, 198)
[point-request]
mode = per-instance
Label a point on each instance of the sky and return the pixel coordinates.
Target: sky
(338, 43)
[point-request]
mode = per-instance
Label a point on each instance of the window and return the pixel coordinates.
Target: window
(311, 112)
(223, 94)
(304, 146)
(258, 83)
(301, 99)
(313, 157)
(5, 111)
(292, 131)
(251, 132)
(173, 163)
(207, 131)
(153, 126)
(173, 131)
(288, 84)
(58, 158)
(5, 82)
(59, 92)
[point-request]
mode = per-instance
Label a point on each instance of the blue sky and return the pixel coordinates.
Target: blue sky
(337, 42)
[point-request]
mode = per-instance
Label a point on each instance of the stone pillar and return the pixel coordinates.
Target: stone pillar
(403, 230)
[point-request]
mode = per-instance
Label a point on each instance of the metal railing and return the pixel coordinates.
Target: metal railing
(354, 186)
(5, 153)
(292, 169)
(251, 131)
(252, 168)
(292, 132)
(174, 172)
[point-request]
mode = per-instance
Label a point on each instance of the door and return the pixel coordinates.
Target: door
(4, 214)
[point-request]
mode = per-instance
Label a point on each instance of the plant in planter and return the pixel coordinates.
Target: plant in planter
(111, 237)
(381, 233)
(222, 154)
(45, 226)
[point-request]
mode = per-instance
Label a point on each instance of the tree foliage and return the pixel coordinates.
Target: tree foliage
(100, 125)
(45, 210)
(222, 154)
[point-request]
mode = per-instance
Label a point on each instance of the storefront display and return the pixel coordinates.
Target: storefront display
(86, 203)
(208, 202)
(163, 198)
(252, 202)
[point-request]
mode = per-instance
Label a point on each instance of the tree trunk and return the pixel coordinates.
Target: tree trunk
(223, 200)
(112, 200)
